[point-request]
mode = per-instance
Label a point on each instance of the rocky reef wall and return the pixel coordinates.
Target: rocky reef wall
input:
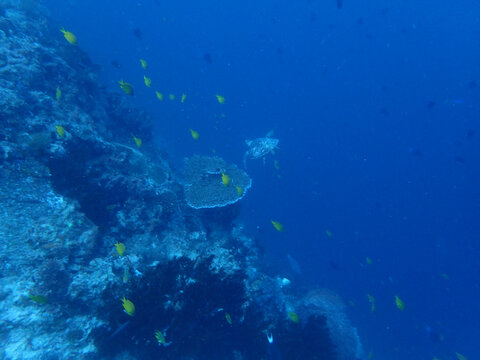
(89, 219)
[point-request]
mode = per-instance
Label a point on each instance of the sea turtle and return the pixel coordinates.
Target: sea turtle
(259, 148)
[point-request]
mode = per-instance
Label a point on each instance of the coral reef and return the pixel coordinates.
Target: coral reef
(73, 184)
(204, 187)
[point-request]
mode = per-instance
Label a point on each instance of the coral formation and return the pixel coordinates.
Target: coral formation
(67, 197)
(204, 187)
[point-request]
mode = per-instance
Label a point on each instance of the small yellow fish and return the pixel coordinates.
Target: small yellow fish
(159, 95)
(369, 260)
(460, 356)
(171, 97)
(293, 317)
(128, 306)
(225, 179)
(276, 164)
(60, 130)
(39, 299)
(351, 303)
(239, 190)
(220, 99)
(435, 358)
(138, 141)
(329, 233)
(120, 248)
(370, 355)
(72, 39)
(58, 94)
(143, 63)
(160, 337)
(184, 97)
(147, 80)
(126, 87)
(228, 318)
(445, 276)
(372, 301)
(195, 135)
(277, 225)
(400, 304)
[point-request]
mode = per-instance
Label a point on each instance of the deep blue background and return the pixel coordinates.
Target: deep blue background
(377, 110)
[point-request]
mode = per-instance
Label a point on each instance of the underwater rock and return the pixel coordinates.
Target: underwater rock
(204, 187)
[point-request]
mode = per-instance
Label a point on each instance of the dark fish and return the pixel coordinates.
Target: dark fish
(360, 21)
(208, 58)
(339, 4)
(384, 111)
(137, 33)
(116, 64)
(460, 159)
(430, 105)
(334, 265)
(472, 84)
(470, 134)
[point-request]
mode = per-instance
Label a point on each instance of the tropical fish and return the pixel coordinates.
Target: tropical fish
(138, 141)
(184, 97)
(161, 338)
(39, 299)
(171, 97)
(72, 39)
(369, 260)
(58, 94)
(60, 130)
(225, 179)
(126, 87)
(195, 135)
(277, 225)
(120, 248)
(400, 304)
(220, 99)
(159, 95)
(372, 301)
(147, 81)
(228, 318)
(143, 63)
(239, 190)
(276, 164)
(329, 233)
(460, 356)
(293, 316)
(445, 276)
(370, 355)
(128, 306)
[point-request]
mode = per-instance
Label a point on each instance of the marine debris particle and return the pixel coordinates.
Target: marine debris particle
(204, 187)
(259, 148)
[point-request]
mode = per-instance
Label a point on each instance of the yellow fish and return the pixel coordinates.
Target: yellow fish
(171, 97)
(195, 135)
(138, 141)
(445, 276)
(120, 248)
(220, 99)
(128, 307)
(161, 338)
(225, 179)
(126, 87)
(72, 39)
(369, 260)
(293, 317)
(435, 358)
(400, 304)
(144, 64)
(276, 164)
(184, 97)
(39, 299)
(277, 225)
(372, 301)
(148, 81)
(460, 356)
(329, 233)
(228, 318)
(58, 94)
(60, 130)
(239, 190)
(159, 95)
(370, 355)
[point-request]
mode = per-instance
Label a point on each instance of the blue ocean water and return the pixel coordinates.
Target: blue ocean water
(376, 106)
